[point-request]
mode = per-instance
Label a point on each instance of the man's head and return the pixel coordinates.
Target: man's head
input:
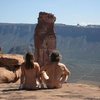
(55, 56)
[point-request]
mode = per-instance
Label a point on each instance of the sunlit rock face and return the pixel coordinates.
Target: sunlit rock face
(44, 37)
(10, 67)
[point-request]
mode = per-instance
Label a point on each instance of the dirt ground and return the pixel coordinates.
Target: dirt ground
(69, 91)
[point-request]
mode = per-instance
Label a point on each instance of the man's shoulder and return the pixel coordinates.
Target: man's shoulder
(61, 64)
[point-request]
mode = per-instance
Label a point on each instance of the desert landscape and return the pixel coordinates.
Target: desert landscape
(69, 91)
(9, 86)
(70, 26)
(83, 83)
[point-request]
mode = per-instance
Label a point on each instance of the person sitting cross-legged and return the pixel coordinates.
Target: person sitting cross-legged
(54, 74)
(29, 73)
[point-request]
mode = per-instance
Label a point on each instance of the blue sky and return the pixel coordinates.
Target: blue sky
(70, 12)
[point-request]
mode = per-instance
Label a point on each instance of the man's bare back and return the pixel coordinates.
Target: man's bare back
(57, 73)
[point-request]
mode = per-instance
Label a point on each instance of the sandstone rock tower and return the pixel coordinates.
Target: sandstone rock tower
(44, 37)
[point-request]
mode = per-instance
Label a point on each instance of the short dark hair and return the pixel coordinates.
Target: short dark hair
(55, 56)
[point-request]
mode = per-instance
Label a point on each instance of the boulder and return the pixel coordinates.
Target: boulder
(11, 61)
(10, 70)
(7, 76)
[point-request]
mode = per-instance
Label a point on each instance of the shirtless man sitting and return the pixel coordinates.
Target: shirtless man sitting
(54, 73)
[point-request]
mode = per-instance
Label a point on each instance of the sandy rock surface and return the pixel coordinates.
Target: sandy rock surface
(69, 91)
(10, 67)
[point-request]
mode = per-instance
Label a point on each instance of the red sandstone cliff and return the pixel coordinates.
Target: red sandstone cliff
(44, 37)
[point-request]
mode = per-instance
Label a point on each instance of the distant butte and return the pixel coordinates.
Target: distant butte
(44, 37)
